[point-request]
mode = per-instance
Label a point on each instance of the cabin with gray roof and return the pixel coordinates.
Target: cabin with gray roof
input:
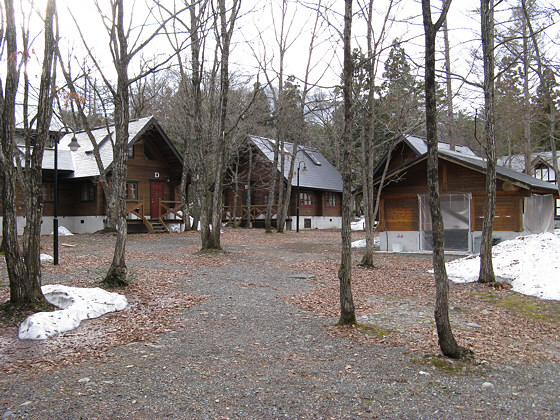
(153, 178)
(320, 186)
(524, 204)
(541, 166)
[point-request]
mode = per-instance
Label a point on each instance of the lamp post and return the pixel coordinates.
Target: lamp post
(74, 145)
(298, 197)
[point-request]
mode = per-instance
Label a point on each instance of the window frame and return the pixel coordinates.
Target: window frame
(128, 184)
(328, 203)
(90, 192)
(47, 192)
(306, 199)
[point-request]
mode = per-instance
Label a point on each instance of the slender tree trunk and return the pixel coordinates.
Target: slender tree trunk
(447, 341)
(23, 264)
(347, 311)
(526, 98)
(117, 274)
(449, 89)
(249, 222)
(486, 274)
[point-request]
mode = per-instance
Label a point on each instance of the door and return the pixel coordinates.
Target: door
(455, 209)
(156, 194)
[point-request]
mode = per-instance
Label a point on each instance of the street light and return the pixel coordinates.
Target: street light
(298, 197)
(73, 145)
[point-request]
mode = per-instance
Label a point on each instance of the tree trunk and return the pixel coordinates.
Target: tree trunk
(347, 311)
(486, 274)
(23, 264)
(117, 273)
(449, 90)
(447, 341)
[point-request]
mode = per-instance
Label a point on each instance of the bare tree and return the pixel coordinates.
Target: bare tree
(486, 274)
(347, 311)
(122, 54)
(447, 342)
(23, 260)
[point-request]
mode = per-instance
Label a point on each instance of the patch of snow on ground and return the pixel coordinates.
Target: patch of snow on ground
(62, 231)
(76, 304)
(362, 243)
(358, 225)
(46, 258)
(530, 263)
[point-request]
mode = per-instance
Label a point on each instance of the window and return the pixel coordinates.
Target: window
(330, 199)
(48, 191)
(131, 151)
(132, 190)
(305, 199)
(88, 191)
(147, 153)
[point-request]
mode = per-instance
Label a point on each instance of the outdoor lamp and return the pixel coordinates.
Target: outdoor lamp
(73, 145)
(304, 170)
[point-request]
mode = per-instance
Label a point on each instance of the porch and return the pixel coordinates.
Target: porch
(167, 213)
(254, 213)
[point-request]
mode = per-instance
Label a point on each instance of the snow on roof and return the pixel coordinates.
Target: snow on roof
(517, 162)
(83, 162)
(320, 173)
(421, 147)
(529, 263)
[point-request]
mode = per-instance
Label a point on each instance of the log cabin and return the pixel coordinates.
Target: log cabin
(524, 204)
(247, 183)
(153, 178)
(541, 167)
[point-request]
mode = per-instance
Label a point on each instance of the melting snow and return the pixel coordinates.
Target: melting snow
(76, 304)
(530, 263)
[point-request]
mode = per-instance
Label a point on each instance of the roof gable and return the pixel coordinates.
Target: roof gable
(82, 162)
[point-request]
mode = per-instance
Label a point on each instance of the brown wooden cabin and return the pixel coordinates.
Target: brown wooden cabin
(153, 179)
(404, 216)
(320, 188)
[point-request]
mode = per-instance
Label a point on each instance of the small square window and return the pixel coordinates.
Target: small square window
(307, 223)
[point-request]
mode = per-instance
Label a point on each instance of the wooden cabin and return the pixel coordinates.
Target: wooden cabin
(153, 179)
(524, 204)
(541, 167)
(246, 187)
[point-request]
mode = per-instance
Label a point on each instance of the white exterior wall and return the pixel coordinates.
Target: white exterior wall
(318, 222)
(75, 224)
(410, 241)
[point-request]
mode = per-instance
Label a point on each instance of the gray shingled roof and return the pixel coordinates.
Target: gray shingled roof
(82, 162)
(320, 173)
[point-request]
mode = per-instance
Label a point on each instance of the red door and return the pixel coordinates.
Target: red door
(156, 194)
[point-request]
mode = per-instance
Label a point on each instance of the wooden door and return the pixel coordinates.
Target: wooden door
(156, 194)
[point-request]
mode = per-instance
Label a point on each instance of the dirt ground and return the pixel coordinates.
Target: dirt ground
(250, 333)
(394, 301)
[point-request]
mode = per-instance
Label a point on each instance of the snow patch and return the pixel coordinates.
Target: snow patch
(530, 263)
(62, 231)
(362, 243)
(46, 258)
(76, 304)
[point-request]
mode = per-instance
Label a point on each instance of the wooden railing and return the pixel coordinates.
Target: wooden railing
(255, 212)
(136, 207)
(171, 207)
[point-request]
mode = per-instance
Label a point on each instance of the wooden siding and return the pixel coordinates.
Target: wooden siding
(399, 205)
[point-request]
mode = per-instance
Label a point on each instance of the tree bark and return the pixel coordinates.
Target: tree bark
(347, 311)
(447, 342)
(486, 274)
(23, 264)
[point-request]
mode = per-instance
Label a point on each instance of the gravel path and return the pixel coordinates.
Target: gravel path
(246, 353)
